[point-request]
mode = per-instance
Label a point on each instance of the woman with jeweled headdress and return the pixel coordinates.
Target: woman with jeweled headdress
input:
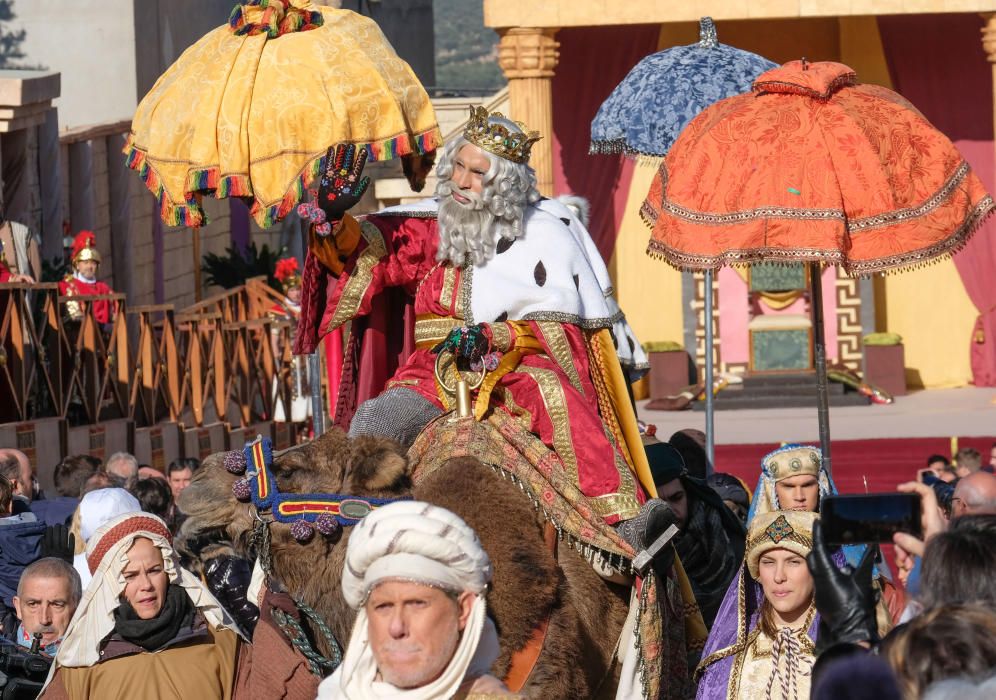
(774, 649)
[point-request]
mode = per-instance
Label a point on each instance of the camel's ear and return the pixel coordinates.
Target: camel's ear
(376, 464)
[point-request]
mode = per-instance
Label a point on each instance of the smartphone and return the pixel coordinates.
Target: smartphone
(869, 517)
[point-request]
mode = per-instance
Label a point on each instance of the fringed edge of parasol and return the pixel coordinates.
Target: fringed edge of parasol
(188, 214)
(925, 257)
(276, 18)
(905, 262)
(687, 262)
(210, 181)
(385, 149)
(620, 147)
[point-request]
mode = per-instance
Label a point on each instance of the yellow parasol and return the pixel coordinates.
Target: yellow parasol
(250, 109)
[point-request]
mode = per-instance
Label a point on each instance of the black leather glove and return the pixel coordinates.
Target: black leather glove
(642, 531)
(58, 542)
(228, 579)
(342, 186)
(845, 598)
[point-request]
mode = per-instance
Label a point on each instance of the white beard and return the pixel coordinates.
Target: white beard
(468, 232)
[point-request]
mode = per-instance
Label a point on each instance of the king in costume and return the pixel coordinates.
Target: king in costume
(501, 277)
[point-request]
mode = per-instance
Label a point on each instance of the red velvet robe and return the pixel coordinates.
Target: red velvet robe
(103, 311)
(553, 389)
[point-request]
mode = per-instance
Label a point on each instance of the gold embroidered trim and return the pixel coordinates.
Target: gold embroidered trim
(463, 309)
(449, 282)
(556, 407)
(434, 330)
(574, 319)
(899, 215)
(615, 504)
(742, 623)
(737, 669)
(950, 245)
(501, 334)
(610, 423)
(764, 538)
(359, 281)
(556, 339)
(689, 261)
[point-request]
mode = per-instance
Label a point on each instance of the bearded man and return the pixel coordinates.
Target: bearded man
(416, 575)
(503, 280)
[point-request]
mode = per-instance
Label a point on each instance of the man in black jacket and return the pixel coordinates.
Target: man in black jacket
(711, 539)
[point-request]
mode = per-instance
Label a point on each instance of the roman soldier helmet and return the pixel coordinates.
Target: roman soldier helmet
(286, 274)
(85, 248)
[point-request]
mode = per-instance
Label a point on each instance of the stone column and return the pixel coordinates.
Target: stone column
(989, 45)
(528, 57)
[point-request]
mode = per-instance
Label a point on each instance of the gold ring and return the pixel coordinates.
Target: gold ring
(442, 381)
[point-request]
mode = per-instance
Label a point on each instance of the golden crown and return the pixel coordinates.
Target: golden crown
(495, 137)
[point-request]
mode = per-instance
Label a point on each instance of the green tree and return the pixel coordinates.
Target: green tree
(10, 41)
(466, 50)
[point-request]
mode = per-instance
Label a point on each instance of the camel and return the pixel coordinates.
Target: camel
(584, 612)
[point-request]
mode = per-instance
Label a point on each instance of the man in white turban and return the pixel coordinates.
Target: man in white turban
(417, 575)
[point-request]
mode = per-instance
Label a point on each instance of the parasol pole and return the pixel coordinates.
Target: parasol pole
(197, 263)
(317, 407)
(822, 398)
(709, 407)
(197, 255)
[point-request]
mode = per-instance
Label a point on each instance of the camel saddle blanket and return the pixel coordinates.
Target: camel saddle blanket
(504, 444)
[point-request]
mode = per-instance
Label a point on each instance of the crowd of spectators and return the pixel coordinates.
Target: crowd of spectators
(96, 558)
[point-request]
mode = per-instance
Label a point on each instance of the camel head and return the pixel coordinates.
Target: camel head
(311, 570)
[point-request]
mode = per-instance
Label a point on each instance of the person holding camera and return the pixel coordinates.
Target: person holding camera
(47, 596)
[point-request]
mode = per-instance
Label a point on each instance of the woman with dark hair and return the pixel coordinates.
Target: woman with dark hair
(948, 641)
(155, 497)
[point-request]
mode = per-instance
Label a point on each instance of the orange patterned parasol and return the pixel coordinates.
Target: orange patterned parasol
(813, 166)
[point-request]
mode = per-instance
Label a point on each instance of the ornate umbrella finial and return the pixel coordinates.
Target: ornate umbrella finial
(707, 33)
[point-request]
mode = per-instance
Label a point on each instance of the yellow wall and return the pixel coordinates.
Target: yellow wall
(648, 290)
(930, 309)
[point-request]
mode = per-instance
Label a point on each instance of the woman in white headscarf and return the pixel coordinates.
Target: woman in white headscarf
(145, 628)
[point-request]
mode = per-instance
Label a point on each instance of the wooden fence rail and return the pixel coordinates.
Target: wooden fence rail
(225, 360)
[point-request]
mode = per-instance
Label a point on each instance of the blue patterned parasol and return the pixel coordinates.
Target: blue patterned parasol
(666, 90)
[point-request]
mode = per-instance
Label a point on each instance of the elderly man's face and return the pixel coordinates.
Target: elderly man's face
(414, 631)
(470, 165)
(45, 605)
(799, 493)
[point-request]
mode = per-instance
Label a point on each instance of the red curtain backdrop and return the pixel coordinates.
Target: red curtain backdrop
(937, 62)
(593, 60)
